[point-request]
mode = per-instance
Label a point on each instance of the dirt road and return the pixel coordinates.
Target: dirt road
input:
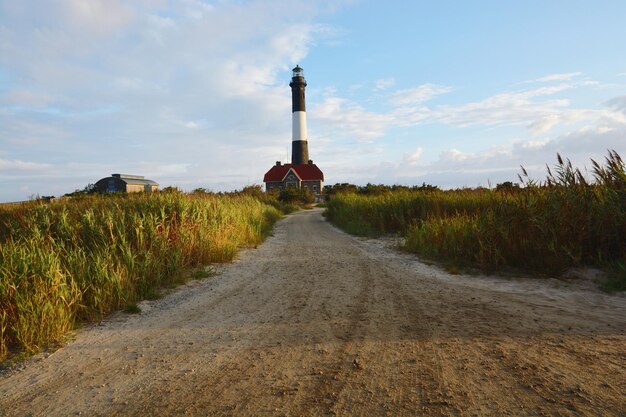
(315, 322)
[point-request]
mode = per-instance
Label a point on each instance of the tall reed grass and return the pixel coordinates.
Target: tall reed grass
(84, 257)
(547, 227)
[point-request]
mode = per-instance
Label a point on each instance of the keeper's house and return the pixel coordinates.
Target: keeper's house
(305, 176)
(125, 183)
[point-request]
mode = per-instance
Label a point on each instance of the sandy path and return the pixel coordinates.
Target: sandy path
(315, 322)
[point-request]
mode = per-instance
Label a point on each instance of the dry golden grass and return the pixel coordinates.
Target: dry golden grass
(81, 258)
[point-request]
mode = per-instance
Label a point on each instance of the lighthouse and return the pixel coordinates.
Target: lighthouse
(301, 173)
(299, 144)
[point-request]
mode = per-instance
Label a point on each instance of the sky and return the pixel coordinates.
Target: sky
(194, 93)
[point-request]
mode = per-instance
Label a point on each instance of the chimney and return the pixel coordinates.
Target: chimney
(310, 162)
(277, 163)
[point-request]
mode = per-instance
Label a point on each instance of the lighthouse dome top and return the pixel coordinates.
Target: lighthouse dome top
(298, 71)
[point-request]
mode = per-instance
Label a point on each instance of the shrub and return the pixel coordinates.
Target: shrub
(296, 196)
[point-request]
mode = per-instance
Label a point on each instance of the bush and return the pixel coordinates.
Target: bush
(296, 196)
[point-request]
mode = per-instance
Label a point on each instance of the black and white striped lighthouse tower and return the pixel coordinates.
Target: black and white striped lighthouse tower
(299, 144)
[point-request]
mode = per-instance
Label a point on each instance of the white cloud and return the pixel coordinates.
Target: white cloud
(454, 155)
(568, 117)
(413, 157)
(519, 108)
(544, 125)
(98, 16)
(29, 98)
(535, 108)
(538, 109)
(618, 103)
(533, 144)
(197, 9)
(454, 167)
(350, 119)
(8, 166)
(384, 84)
(191, 125)
(418, 94)
(163, 170)
(556, 77)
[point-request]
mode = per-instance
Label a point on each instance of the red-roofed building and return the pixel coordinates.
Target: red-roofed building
(305, 176)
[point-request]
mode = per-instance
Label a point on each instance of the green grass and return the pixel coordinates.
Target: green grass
(545, 228)
(616, 278)
(132, 308)
(79, 259)
(201, 273)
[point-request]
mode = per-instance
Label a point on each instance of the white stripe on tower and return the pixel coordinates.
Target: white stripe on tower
(298, 124)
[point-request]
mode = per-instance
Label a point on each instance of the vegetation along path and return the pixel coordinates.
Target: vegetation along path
(316, 322)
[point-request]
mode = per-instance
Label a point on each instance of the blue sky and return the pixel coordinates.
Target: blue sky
(195, 93)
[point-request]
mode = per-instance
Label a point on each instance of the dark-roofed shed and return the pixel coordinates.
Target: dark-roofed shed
(126, 184)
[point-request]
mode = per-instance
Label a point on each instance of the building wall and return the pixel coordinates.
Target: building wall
(271, 185)
(134, 188)
(139, 188)
(314, 186)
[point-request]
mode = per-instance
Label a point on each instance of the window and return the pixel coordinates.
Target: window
(111, 186)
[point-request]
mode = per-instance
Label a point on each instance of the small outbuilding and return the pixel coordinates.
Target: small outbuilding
(124, 183)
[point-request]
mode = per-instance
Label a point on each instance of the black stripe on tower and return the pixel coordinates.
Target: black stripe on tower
(297, 85)
(299, 152)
